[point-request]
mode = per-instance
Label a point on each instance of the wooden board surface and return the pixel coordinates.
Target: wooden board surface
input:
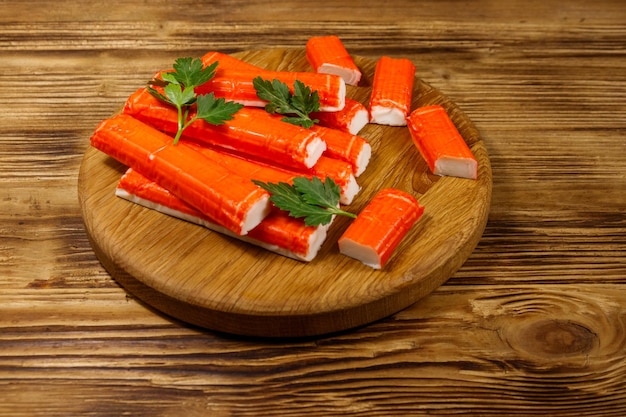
(214, 281)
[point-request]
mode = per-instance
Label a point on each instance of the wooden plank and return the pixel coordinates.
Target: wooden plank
(544, 83)
(457, 350)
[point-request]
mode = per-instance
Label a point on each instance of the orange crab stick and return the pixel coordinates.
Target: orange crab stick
(351, 148)
(328, 55)
(233, 201)
(392, 90)
(339, 171)
(228, 83)
(233, 81)
(352, 118)
(236, 85)
(440, 143)
(378, 229)
(278, 232)
(344, 146)
(227, 62)
(251, 132)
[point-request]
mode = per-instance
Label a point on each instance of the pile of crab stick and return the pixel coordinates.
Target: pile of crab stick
(206, 178)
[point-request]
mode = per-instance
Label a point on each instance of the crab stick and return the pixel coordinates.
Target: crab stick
(278, 232)
(440, 143)
(339, 171)
(236, 85)
(378, 229)
(233, 81)
(392, 90)
(328, 55)
(227, 62)
(352, 118)
(233, 201)
(351, 148)
(252, 132)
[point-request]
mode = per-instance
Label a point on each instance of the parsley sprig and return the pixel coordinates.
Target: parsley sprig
(178, 89)
(314, 200)
(280, 100)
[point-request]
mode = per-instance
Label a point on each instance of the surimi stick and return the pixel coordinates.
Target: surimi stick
(233, 81)
(440, 143)
(328, 55)
(392, 90)
(278, 232)
(252, 132)
(288, 236)
(378, 229)
(339, 171)
(345, 146)
(352, 118)
(236, 85)
(232, 201)
(227, 62)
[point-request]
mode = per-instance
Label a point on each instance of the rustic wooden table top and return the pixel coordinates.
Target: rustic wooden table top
(534, 322)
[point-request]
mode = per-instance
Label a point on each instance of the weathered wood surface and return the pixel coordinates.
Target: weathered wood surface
(533, 323)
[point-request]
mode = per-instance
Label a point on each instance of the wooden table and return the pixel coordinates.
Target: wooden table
(534, 323)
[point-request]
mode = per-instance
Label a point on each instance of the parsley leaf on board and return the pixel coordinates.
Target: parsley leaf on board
(215, 110)
(314, 200)
(191, 72)
(178, 90)
(280, 100)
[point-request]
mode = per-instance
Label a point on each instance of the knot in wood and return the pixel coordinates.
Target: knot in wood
(557, 337)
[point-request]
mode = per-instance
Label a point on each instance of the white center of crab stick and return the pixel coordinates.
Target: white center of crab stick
(350, 76)
(255, 214)
(360, 119)
(366, 254)
(363, 160)
(456, 167)
(349, 190)
(314, 150)
(391, 116)
(315, 243)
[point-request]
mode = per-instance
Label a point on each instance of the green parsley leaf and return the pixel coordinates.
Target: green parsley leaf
(191, 72)
(215, 111)
(304, 99)
(277, 95)
(177, 88)
(169, 78)
(282, 101)
(314, 200)
(314, 191)
(179, 96)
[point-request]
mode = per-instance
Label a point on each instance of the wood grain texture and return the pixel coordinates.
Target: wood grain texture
(249, 291)
(532, 323)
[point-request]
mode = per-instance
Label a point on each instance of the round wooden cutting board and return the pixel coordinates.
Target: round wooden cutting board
(217, 282)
